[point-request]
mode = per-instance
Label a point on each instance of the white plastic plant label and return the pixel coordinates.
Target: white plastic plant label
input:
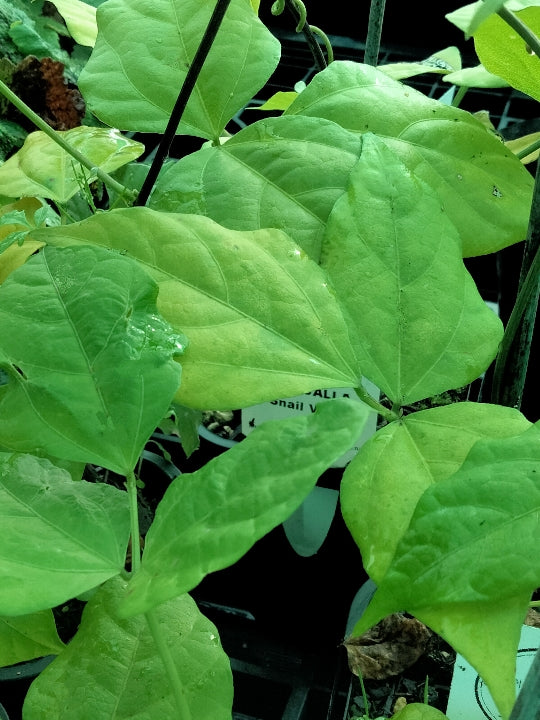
(470, 699)
(305, 404)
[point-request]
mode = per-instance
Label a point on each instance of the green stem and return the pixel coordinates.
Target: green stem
(460, 94)
(182, 707)
(365, 397)
(531, 40)
(373, 40)
(298, 13)
(59, 140)
(134, 518)
(181, 102)
(326, 40)
(528, 150)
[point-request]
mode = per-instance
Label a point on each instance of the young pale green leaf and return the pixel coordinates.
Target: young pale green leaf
(90, 362)
(80, 18)
(476, 76)
(484, 189)
(395, 261)
(279, 172)
(112, 669)
(44, 169)
(143, 52)
(261, 318)
(27, 637)
(60, 537)
(503, 52)
(208, 519)
(389, 474)
(491, 505)
(442, 62)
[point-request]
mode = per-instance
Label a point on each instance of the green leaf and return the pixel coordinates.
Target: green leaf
(80, 19)
(284, 172)
(482, 12)
(504, 53)
(487, 634)
(89, 360)
(143, 52)
(112, 668)
(442, 62)
(492, 504)
(231, 293)
(42, 168)
(476, 76)
(472, 585)
(279, 101)
(11, 137)
(482, 187)
(419, 711)
(395, 262)
(27, 637)
(208, 519)
(24, 30)
(60, 537)
(184, 423)
(391, 471)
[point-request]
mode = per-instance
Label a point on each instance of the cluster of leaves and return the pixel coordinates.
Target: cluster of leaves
(310, 250)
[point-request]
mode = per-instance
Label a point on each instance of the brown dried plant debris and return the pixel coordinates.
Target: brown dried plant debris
(388, 648)
(41, 85)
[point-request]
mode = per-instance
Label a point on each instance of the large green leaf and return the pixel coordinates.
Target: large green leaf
(144, 49)
(208, 519)
(503, 52)
(27, 637)
(471, 546)
(111, 669)
(90, 361)
(492, 504)
(60, 537)
(392, 470)
(261, 320)
(279, 172)
(44, 169)
(395, 261)
(482, 186)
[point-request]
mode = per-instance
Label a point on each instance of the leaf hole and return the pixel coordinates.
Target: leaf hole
(20, 371)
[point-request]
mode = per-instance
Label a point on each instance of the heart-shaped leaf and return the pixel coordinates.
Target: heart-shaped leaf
(144, 49)
(492, 504)
(112, 667)
(60, 537)
(232, 293)
(482, 187)
(89, 359)
(395, 261)
(284, 172)
(392, 470)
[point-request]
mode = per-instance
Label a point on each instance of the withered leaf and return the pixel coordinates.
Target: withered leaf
(388, 648)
